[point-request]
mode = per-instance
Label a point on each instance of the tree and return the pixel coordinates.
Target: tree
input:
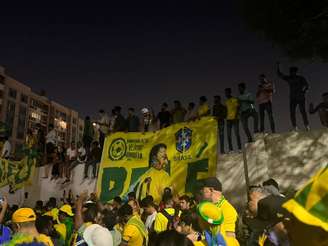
(298, 27)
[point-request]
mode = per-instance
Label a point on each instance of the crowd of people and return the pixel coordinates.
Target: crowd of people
(229, 112)
(61, 161)
(232, 111)
(205, 218)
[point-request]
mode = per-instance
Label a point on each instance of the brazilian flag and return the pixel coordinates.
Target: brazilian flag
(310, 204)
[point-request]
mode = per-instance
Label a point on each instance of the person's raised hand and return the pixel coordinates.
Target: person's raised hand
(83, 197)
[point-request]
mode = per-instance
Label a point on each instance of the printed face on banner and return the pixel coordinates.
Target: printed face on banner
(147, 163)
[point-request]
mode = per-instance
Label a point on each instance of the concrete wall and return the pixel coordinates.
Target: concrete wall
(290, 158)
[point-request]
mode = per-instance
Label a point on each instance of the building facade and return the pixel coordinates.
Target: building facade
(22, 109)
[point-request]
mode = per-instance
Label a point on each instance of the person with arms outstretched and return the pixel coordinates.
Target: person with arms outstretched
(298, 86)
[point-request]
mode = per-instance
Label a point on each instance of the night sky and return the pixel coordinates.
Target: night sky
(135, 54)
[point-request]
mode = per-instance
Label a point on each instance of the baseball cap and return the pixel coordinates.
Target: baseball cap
(210, 213)
(67, 209)
(212, 182)
(24, 215)
(270, 212)
(53, 213)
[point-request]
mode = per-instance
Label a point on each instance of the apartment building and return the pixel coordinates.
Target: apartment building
(22, 109)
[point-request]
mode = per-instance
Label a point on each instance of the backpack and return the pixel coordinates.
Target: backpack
(5, 234)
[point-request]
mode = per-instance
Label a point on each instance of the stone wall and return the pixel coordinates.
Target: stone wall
(290, 158)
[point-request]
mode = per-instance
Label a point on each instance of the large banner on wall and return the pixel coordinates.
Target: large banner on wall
(17, 173)
(147, 163)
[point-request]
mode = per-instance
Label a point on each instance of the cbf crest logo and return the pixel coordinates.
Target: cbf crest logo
(117, 149)
(183, 139)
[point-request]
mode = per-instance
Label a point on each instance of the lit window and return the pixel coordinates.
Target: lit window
(63, 124)
(36, 116)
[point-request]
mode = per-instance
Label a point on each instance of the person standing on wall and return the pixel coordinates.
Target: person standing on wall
(164, 116)
(298, 86)
(178, 113)
(51, 143)
(247, 110)
(88, 134)
(120, 122)
(220, 113)
(264, 99)
(203, 108)
(191, 112)
(103, 127)
(232, 105)
(132, 121)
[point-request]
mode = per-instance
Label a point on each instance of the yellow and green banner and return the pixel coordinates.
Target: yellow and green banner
(310, 204)
(147, 163)
(17, 173)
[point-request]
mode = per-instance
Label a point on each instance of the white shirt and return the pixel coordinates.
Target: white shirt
(150, 221)
(82, 154)
(104, 123)
(6, 148)
(51, 137)
(71, 153)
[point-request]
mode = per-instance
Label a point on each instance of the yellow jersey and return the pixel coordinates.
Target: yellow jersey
(61, 229)
(45, 240)
(159, 180)
(230, 219)
(133, 235)
(161, 221)
(232, 108)
(203, 110)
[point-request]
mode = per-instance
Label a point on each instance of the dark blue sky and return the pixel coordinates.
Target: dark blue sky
(135, 54)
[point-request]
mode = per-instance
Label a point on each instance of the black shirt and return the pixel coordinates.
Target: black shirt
(164, 118)
(297, 86)
(120, 124)
(96, 154)
(220, 112)
(133, 123)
